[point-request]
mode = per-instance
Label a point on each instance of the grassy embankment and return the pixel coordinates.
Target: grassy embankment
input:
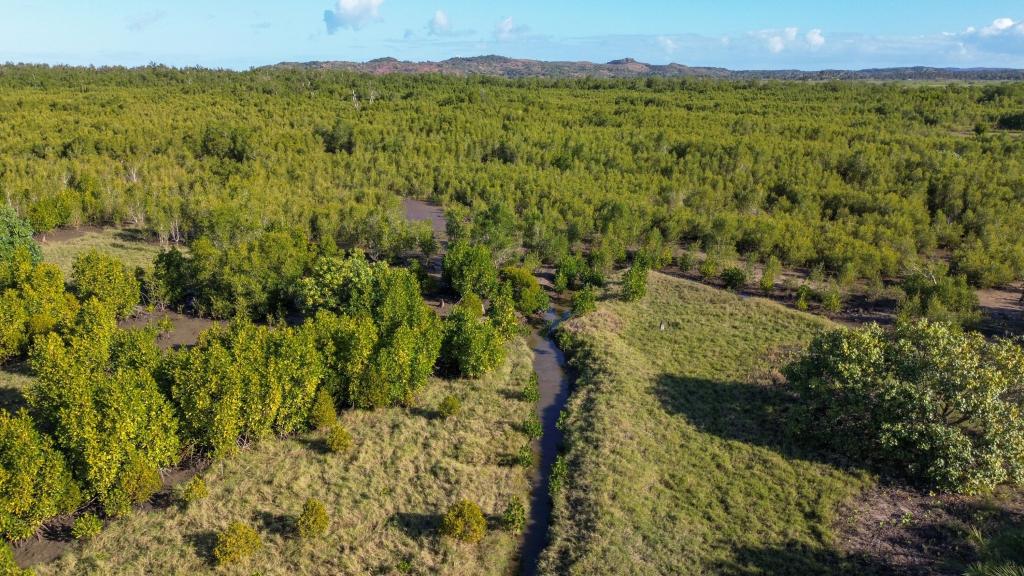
(385, 497)
(678, 462)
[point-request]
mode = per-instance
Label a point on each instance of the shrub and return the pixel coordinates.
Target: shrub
(926, 401)
(734, 278)
(191, 491)
(323, 414)
(832, 300)
(15, 235)
(36, 483)
(532, 427)
(933, 294)
(531, 393)
(464, 521)
(236, 543)
(584, 301)
(634, 283)
(472, 345)
(338, 138)
(449, 407)
(101, 276)
(136, 483)
(8, 567)
(769, 273)
(338, 439)
(559, 476)
(86, 526)
(525, 457)
(709, 268)
(529, 296)
(503, 311)
(685, 261)
(514, 516)
(468, 269)
(803, 297)
(313, 521)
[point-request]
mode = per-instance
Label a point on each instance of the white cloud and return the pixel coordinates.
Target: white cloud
(352, 14)
(508, 30)
(790, 34)
(439, 25)
(667, 44)
(815, 38)
(776, 44)
(998, 26)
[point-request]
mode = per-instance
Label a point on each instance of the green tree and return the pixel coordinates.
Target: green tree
(634, 283)
(472, 345)
(468, 269)
(99, 275)
(584, 301)
(36, 485)
(927, 401)
(15, 235)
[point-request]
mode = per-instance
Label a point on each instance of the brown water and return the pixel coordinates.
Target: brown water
(549, 364)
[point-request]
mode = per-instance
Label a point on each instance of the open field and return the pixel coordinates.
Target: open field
(385, 498)
(675, 466)
(63, 246)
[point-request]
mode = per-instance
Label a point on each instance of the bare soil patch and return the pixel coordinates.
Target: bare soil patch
(921, 534)
(185, 330)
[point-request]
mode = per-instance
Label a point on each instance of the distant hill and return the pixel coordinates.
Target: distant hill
(630, 68)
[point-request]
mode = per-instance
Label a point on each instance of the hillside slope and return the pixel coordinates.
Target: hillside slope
(676, 463)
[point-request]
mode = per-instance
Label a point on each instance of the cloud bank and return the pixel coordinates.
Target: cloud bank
(352, 14)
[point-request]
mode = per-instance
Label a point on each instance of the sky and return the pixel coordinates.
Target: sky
(762, 34)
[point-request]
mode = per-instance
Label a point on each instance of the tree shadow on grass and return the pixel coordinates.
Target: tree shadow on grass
(417, 525)
(203, 542)
(12, 399)
(798, 559)
(315, 443)
(754, 414)
(277, 524)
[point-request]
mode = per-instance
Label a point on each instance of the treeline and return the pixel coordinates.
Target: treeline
(110, 409)
(861, 179)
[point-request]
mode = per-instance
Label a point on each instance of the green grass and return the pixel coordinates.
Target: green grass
(677, 461)
(126, 245)
(385, 498)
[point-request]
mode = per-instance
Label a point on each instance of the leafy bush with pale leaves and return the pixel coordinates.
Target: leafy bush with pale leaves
(464, 521)
(236, 543)
(927, 401)
(314, 520)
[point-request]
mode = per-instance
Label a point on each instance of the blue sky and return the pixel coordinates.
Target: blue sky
(736, 34)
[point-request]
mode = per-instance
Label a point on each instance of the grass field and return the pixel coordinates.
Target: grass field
(677, 461)
(62, 247)
(385, 498)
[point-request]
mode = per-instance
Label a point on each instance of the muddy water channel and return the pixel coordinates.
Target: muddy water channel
(549, 364)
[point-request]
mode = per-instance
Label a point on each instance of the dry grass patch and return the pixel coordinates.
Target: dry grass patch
(385, 497)
(127, 245)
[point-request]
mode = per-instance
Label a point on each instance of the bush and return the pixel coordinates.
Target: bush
(503, 311)
(101, 276)
(191, 491)
(529, 296)
(709, 268)
(685, 261)
(532, 427)
(803, 297)
(338, 439)
(16, 235)
(313, 521)
(464, 521)
(532, 391)
(36, 483)
(323, 414)
(734, 278)
(933, 294)
(559, 476)
(525, 457)
(472, 345)
(86, 526)
(514, 516)
(8, 567)
(634, 283)
(832, 300)
(768, 275)
(468, 269)
(236, 543)
(926, 401)
(449, 407)
(584, 301)
(137, 483)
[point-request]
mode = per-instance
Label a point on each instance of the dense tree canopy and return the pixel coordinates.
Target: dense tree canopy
(927, 401)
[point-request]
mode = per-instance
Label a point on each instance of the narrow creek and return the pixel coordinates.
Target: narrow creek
(549, 364)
